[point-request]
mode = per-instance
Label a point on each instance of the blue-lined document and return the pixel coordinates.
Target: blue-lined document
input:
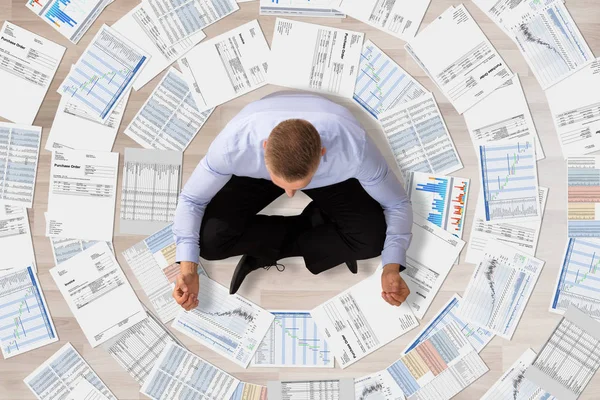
(583, 180)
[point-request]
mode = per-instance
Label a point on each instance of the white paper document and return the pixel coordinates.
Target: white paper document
(65, 248)
(81, 202)
(315, 57)
(16, 245)
(60, 374)
(249, 391)
(323, 389)
(570, 358)
(301, 8)
(521, 235)
(512, 385)
(71, 18)
(104, 73)
(91, 283)
(19, 155)
(396, 17)
(583, 187)
(503, 115)
(169, 119)
(381, 84)
(576, 111)
(228, 324)
(138, 348)
(458, 57)
(28, 63)
(293, 340)
(499, 289)
(179, 373)
(85, 391)
(25, 321)
(351, 326)
(74, 127)
(237, 61)
(419, 138)
(151, 185)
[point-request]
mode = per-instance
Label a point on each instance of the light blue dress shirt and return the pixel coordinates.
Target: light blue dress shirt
(350, 153)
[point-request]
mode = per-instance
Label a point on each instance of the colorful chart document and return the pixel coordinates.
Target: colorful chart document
(64, 248)
(293, 340)
(509, 181)
(230, 325)
(381, 83)
(169, 120)
(58, 376)
(499, 289)
(91, 283)
(25, 321)
(419, 138)
(19, 155)
(351, 328)
(583, 179)
(28, 63)
(179, 373)
(104, 73)
(458, 57)
(237, 61)
(576, 111)
(81, 181)
(313, 390)
(569, 359)
(16, 245)
(315, 57)
(250, 391)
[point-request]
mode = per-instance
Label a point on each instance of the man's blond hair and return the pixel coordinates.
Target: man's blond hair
(293, 150)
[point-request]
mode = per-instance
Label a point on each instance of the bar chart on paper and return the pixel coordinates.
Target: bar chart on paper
(509, 181)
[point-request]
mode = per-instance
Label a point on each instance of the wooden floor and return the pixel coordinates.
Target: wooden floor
(296, 288)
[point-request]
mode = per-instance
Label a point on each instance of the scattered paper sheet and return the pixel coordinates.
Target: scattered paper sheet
(179, 372)
(25, 322)
(228, 324)
(16, 245)
(169, 119)
(60, 374)
(458, 57)
(316, 389)
(419, 138)
(28, 63)
(81, 181)
(503, 115)
(19, 155)
(293, 340)
(570, 357)
(237, 61)
(64, 248)
(91, 283)
(250, 391)
(583, 187)
(301, 8)
(352, 328)
(576, 111)
(499, 289)
(315, 57)
(85, 391)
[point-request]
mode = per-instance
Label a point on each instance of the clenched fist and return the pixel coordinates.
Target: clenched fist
(187, 286)
(394, 289)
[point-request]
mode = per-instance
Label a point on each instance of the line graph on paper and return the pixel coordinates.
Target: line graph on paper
(578, 281)
(374, 387)
(509, 181)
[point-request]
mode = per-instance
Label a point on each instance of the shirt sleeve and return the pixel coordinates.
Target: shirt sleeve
(380, 182)
(208, 178)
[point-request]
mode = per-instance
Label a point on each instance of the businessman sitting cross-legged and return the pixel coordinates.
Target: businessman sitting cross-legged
(286, 142)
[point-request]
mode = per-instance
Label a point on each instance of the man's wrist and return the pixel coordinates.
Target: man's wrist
(188, 267)
(394, 267)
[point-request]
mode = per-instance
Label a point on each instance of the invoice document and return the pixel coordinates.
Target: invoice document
(169, 119)
(576, 111)
(179, 373)
(583, 201)
(499, 289)
(85, 391)
(457, 56)
(230, 325)
(301, 8)
(250, 391)
(81, 200)
(92, 282)
(352, 329)
(19, 155)
(396, 17)
(65, 248)
(16, 245)
(237, 61)
(148, 33)
(323, 389)
(314, 57)
(28, 63)
(503, 115)
(61, 373)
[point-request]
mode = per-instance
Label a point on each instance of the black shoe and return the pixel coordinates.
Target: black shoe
(246, 265)
(352, 266)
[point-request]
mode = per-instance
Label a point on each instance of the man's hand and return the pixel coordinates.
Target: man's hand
(394, 289)
(187, 285)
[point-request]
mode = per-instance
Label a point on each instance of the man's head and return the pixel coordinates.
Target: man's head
(292, 154)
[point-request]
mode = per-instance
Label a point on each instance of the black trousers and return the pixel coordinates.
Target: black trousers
(354, 227)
